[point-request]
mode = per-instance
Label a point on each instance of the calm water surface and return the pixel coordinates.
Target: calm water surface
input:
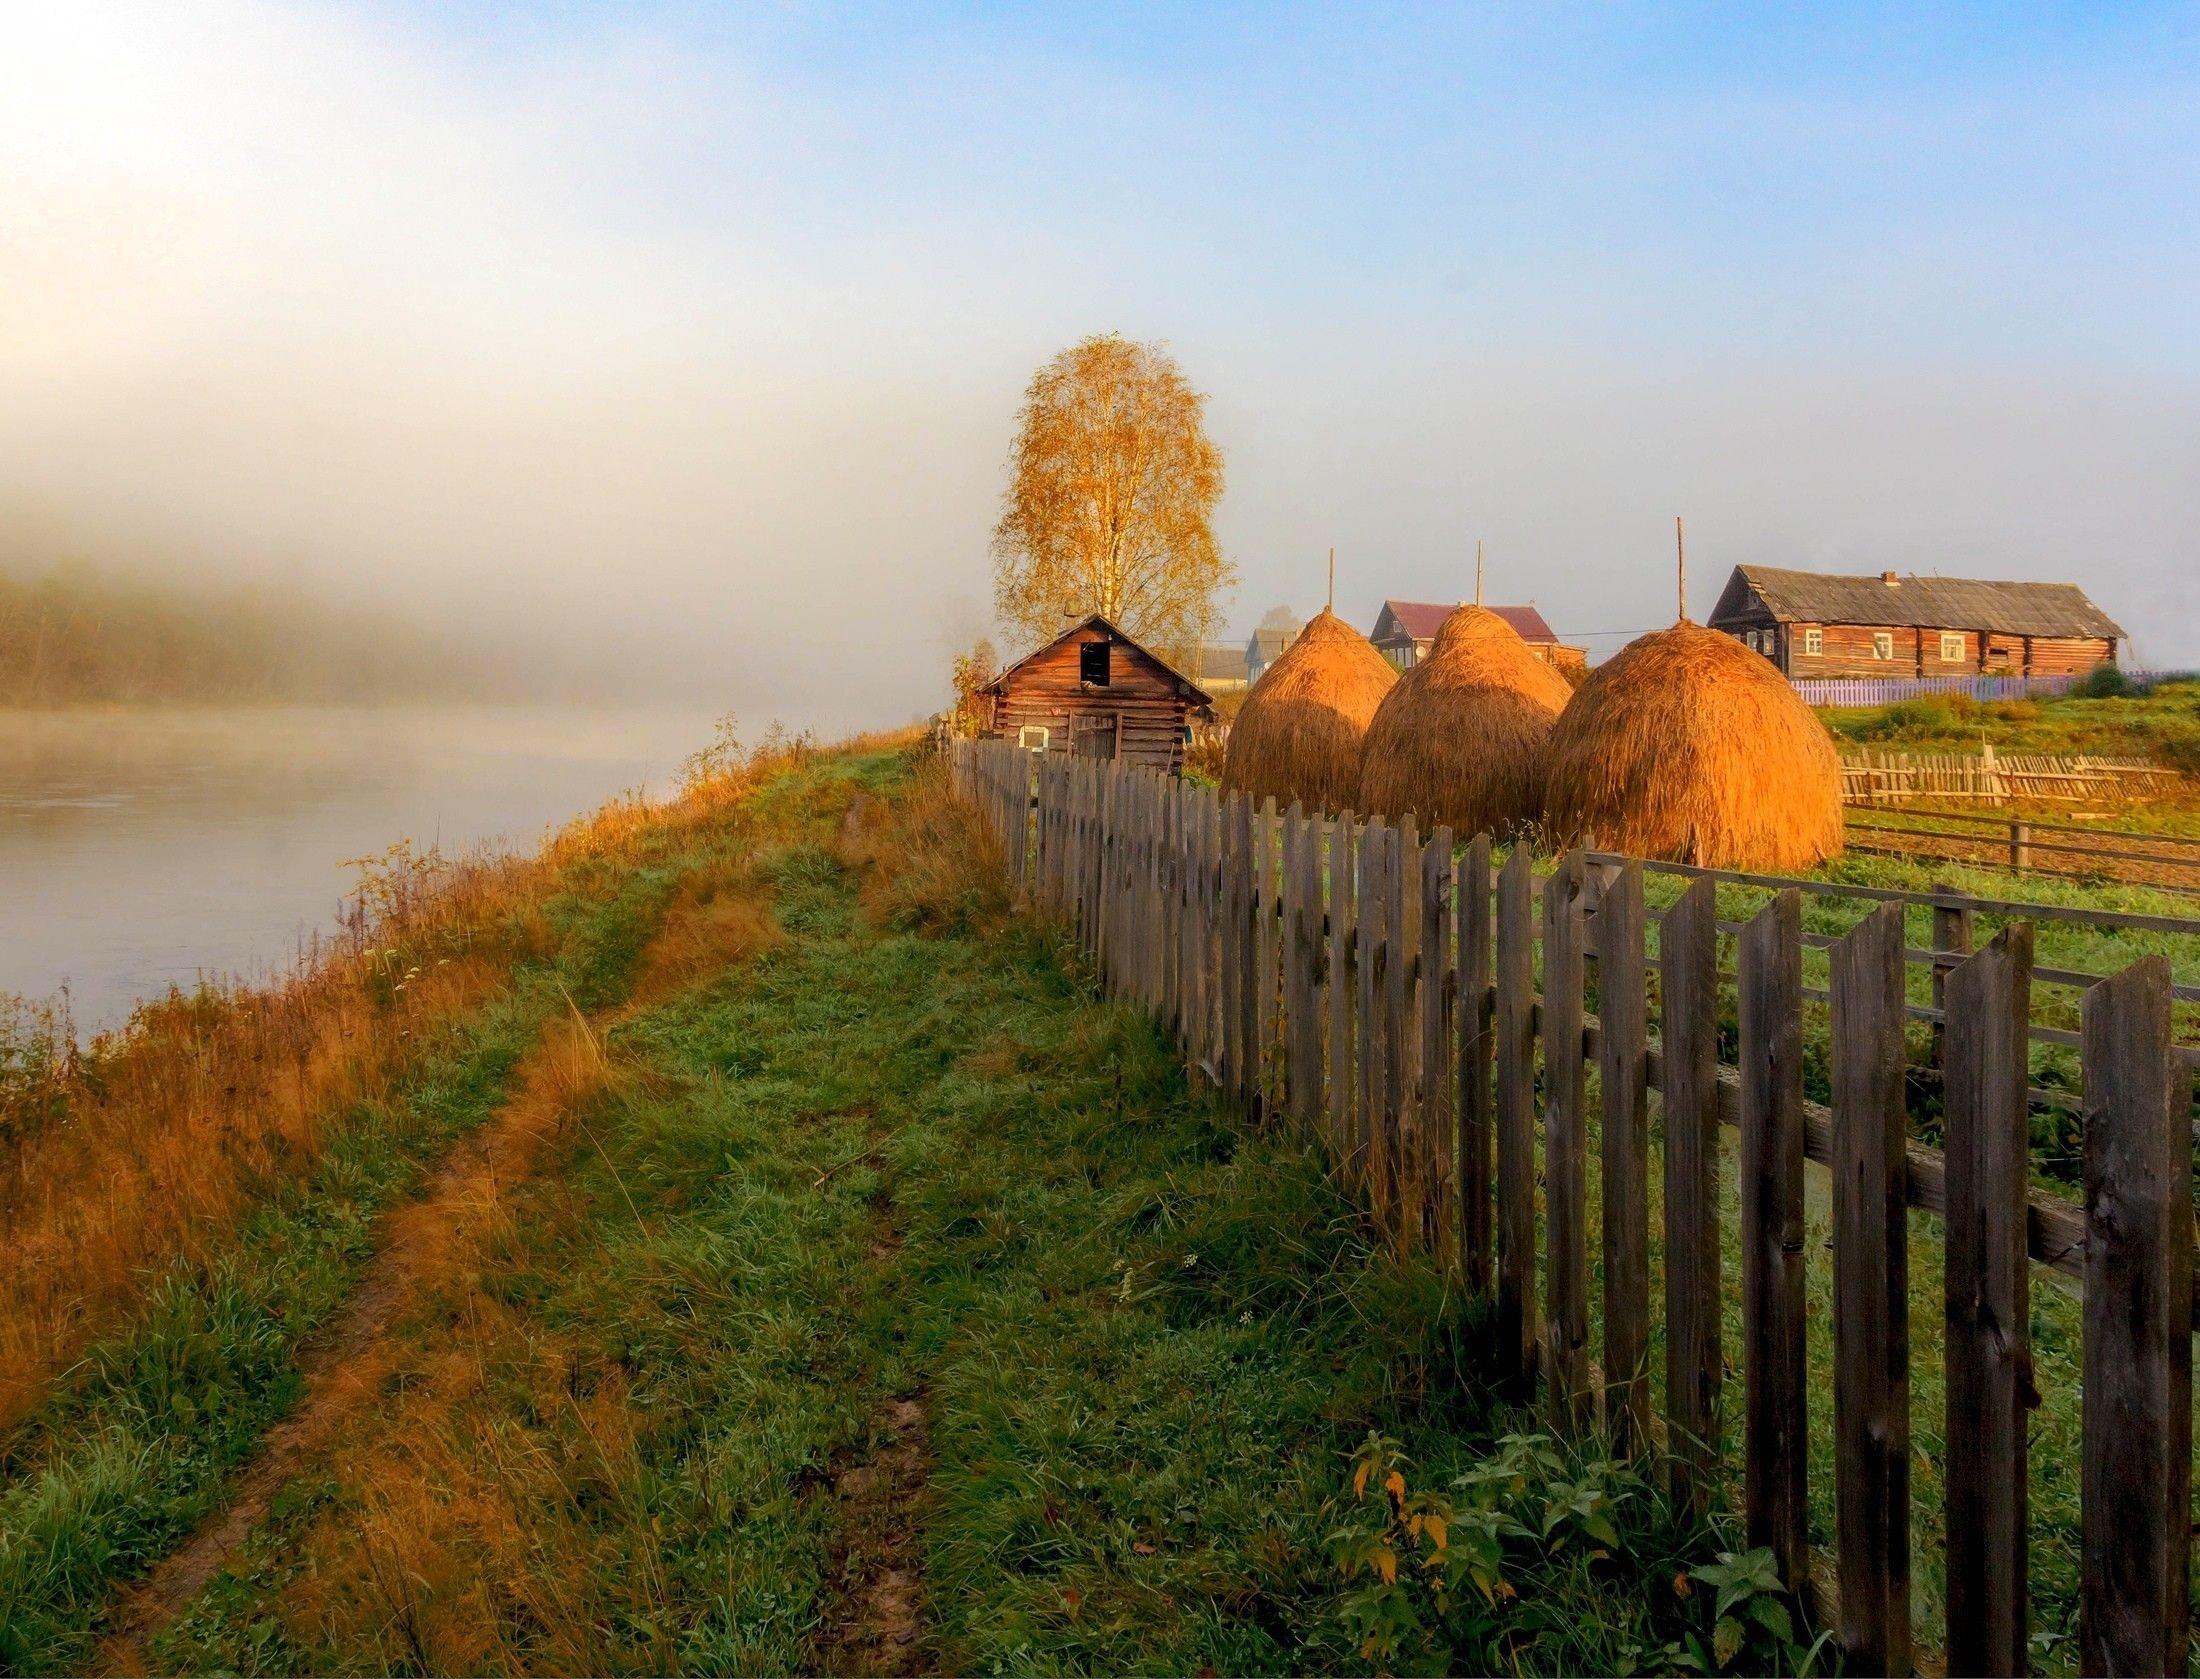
(143, 849)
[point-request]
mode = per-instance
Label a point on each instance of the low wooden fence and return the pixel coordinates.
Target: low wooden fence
(1886, 690)
(1387, 997)
(1873, 776)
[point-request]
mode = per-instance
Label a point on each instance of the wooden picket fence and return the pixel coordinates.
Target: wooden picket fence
(1386, 997)
(1879, 776)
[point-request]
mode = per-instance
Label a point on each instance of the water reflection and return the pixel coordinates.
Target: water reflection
(141, 849)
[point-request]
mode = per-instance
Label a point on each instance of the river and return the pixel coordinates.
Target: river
(142, 849)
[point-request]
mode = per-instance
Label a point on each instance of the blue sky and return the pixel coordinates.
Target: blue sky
(632, 302)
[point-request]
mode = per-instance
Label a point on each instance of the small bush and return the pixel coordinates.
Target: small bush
(2105, 682)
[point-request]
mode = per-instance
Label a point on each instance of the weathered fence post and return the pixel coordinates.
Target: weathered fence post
(1374, 870)
(1622, 1074)
(1438, 982)
(2138, 1330)
(1265, 986)
(1402, 1123)
(1472, 894)
(1343, 1080)
(1565, 1152)
(1518, 1331)
(1775, 1436)
(1871, 1296)
(1304, 1016)
(1989, 1351)
(1688, 973)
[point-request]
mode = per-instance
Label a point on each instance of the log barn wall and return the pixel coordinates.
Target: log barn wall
(1146, 704)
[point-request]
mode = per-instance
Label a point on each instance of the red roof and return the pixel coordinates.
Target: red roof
(1421, 619)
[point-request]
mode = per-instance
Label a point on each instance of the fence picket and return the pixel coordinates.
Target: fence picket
(1775, 1435)
(1435, 1091)
(2137, 1477)
(1471, 895)
(1688, 975)
(1374, 845)
(1401, 1119)
(1871, 1296)
(1989, 1352)
(1343, 1071)
(1565, 1152)
(1303, 1020)
(1623, 1070)
(1518, 1328)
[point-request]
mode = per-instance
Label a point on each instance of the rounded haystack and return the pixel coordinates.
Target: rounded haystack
(1298, 734)
(1460, 741)
(1688, 746)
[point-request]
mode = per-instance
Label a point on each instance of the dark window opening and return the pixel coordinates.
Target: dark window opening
(1092, 663)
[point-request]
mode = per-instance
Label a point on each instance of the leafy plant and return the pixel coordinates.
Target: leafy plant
(1752, 1628)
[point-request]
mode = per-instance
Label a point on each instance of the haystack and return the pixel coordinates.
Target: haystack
(1298, 734)
(1460, 741)
(1688, 746)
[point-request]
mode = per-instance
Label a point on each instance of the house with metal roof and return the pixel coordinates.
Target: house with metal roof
(1404, 630)
(1819, 624)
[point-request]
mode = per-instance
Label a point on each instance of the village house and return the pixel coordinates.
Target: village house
(1094, 691)
(1819, 624)
(1404, 630)
(1263, 649)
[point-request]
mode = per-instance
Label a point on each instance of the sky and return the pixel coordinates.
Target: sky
(697, 332)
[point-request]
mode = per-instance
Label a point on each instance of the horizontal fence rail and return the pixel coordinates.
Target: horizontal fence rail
(1392, 997)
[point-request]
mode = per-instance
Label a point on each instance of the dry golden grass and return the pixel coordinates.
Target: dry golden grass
(1461, 740)
(147, 1145)
(1298, 734)
(1689, 746)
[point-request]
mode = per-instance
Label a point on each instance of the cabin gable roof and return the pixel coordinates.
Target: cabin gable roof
(1081, 630)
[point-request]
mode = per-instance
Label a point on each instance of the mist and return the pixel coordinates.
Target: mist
(689, 350)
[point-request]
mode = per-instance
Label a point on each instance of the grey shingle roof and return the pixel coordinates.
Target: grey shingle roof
(2059, 609)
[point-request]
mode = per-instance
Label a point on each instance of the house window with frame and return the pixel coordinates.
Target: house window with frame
(1814, 643)
(1882, 644)
(1033, 737)
(1951, 647)
(1092, 663)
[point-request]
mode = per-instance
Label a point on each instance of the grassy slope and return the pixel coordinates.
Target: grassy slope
(901, 1154)
(133, 1451)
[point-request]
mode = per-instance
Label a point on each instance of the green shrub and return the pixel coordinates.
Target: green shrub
(2105, 682)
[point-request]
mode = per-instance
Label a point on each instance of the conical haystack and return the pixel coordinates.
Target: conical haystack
(1298, 734)
(1688, 746)
(1461, 740)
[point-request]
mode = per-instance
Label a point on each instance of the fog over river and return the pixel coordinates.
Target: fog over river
(140, 849)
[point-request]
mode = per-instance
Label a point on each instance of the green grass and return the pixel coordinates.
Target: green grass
(2163, 725)
(136, 1446)
(877, 1163)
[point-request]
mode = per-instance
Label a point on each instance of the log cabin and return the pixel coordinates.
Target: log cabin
(1406, 629)
(1820, 624)
(1093, 690)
